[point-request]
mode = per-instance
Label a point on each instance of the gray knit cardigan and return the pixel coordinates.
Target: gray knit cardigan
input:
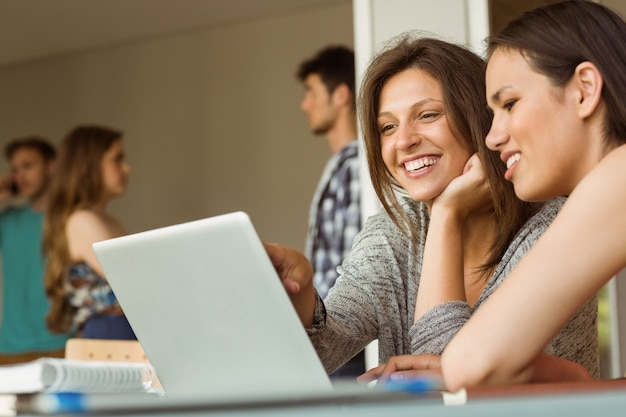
(374, 297)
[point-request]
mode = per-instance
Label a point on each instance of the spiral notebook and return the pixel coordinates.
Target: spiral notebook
(65, 375)
(210, 311)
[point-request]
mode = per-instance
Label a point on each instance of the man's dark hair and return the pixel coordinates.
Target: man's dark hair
(334, 64)
(37, 143)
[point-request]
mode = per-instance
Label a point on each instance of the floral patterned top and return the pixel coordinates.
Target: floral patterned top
(89, 293)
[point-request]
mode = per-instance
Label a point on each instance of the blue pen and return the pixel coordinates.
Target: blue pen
(52, 403)
(76, 403)
(412, 385)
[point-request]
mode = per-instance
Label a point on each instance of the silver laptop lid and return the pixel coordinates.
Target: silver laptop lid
(210, 311)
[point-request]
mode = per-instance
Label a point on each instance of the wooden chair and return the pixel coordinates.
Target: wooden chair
(106, 350)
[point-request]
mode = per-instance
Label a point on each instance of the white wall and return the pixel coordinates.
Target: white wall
(211, 117)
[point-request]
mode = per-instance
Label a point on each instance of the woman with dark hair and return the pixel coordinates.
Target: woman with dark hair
(90, 172)
(556, 82)
(452, 227)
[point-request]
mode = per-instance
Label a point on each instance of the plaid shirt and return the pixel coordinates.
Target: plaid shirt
(335, 217)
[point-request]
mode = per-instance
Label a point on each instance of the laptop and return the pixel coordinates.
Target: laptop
(210, 312)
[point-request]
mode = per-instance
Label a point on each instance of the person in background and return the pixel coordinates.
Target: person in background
(452, 229)
(335, 214)
(23, 332)
(91, 171)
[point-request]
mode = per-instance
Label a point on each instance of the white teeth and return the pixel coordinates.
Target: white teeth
(513, 159)
(420, 163)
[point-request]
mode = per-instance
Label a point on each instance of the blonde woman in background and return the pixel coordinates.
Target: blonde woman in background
(91, 171)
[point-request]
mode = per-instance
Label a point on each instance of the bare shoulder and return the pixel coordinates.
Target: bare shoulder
(592, 218)
(83, 218)
(608, 175)
(93, 225)
(615, 157)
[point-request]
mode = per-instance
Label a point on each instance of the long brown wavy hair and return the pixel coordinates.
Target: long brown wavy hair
(77, 184)
(461, 74)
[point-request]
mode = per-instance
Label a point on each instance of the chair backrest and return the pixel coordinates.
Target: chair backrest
(106, 350)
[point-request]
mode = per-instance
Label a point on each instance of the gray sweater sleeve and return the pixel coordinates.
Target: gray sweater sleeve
(374, 296)
(432, 332)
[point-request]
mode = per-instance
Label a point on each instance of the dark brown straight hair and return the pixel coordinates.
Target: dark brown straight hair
(555, 38)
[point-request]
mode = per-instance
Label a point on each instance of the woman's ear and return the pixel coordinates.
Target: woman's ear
(588, 81)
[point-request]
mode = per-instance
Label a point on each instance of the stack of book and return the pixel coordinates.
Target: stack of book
(52, 385)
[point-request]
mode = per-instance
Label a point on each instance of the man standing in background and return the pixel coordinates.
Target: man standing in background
(23, 332)
(335, 214)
